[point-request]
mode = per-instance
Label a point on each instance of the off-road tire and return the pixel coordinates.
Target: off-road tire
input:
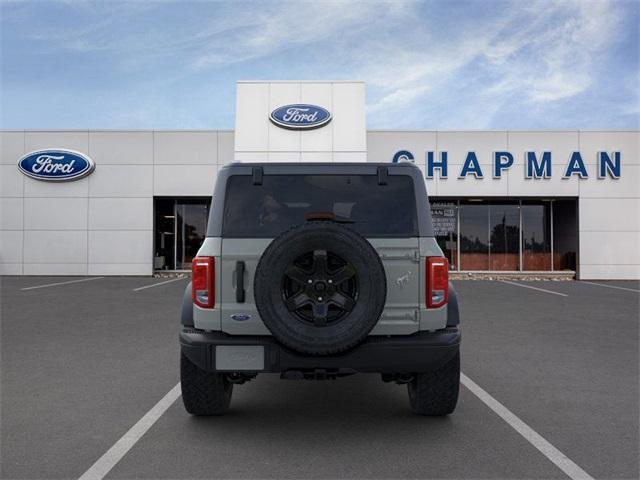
(337, 239)
(436, 393)
(203, 393)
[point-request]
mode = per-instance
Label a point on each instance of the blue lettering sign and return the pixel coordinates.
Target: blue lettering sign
(441, 165)
(537, 165)
(607, 165)
(535, 169)
(403, 156)
(576, 165)
(471, 165)
(499, 165)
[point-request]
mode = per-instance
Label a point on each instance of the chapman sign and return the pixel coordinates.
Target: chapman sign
(300, 116)
(537, 165)
(56, 165)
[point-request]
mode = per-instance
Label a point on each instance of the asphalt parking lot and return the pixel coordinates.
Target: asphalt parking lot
(83, 362)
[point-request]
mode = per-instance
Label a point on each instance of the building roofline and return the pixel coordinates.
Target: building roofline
(517, 130)
(114, 130)
(371, 130)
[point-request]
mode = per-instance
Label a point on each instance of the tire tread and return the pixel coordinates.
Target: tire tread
(436, 393)
(203, 393)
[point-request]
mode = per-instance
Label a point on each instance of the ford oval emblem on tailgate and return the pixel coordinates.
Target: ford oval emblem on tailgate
(241, 317)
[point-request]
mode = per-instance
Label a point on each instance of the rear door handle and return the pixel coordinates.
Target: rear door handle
(240, 282)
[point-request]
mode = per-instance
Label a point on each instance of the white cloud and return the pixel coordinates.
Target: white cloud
(294, 26)
(448, 64)
(545, 52)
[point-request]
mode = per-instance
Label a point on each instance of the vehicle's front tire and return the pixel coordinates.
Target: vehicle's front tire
(203, 393)
(436, 393)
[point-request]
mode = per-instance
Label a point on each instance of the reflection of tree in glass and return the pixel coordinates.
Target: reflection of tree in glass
(504, 238)
(535, 246)
(476, 245)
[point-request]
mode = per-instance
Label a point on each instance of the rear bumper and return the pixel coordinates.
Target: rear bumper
(420, 352)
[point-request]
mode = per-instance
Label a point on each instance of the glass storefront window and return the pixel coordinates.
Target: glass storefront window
(165, 234)
(565, 234)
(504, 224)
(180, 229)
(474, 236)
(536, 236)
(445, 225)
(191, 218)
(489, 236)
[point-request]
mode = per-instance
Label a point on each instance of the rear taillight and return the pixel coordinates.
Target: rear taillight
(437, 293)
(203, 282)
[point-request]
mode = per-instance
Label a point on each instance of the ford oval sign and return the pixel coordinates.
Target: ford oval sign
(300, 116)
(57, 165)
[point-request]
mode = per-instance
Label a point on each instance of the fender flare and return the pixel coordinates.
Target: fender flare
(186, 315)
(453, 311)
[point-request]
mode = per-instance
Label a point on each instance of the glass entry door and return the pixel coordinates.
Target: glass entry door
(444, 216)
(489, 235)
(191, 228)
(180, 229)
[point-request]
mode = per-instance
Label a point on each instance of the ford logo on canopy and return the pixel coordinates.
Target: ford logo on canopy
(56, 165)
(300, 116)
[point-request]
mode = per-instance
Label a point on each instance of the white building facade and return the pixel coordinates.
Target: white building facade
(503, 201)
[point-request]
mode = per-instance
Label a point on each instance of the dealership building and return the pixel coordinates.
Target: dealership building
(502, 200)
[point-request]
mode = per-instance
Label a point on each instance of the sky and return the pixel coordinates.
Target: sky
(427, 65)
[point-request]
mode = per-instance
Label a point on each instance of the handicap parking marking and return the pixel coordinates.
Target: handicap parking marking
(61, 283)
(158, 284)
(111, 457)
(611, 286)
(558, 458)
(534, 288)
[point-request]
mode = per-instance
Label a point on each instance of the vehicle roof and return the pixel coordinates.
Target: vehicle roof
(324, 164)
(320, 168)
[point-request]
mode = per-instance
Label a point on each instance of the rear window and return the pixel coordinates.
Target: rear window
(357, 201)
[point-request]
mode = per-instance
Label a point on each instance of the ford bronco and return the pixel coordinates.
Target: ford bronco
(317, 271)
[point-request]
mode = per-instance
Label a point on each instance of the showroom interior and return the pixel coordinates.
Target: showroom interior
(475, 234)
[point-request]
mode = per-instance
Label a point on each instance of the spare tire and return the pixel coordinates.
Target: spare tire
(320, 288)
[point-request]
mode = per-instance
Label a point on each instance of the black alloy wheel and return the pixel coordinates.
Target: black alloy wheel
(320, 288)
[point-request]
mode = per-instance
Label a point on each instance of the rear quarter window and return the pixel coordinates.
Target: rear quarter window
(283, 201)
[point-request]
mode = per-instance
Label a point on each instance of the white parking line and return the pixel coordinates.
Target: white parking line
(534, 288)
(611, 286)
(111, 457)
(560, 460)
(61, 283)
(158, 284)
(106, 462)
